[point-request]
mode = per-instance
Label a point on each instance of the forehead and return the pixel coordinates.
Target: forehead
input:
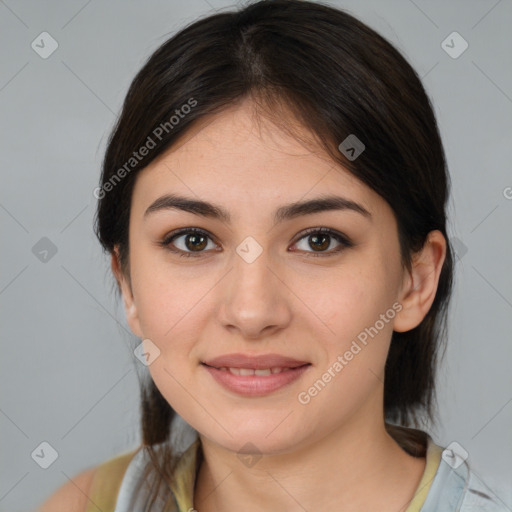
(237, 157)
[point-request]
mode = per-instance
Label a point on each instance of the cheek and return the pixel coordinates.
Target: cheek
(359, 313)
(357, 307)
(170, 314)
(168, 297)
(353, 300)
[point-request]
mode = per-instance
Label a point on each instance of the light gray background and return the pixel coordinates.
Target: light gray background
(67, 373)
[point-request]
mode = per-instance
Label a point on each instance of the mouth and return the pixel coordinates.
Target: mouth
(250, 376)
(254, 362)
(260, 372)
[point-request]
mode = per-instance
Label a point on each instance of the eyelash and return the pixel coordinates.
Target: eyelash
(343, 240)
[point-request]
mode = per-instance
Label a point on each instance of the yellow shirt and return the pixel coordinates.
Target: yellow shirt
(108, 477)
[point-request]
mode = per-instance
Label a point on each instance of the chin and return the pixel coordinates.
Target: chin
(247, 439)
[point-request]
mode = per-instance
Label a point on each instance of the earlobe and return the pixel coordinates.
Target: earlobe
(130, 307)
(419, 288)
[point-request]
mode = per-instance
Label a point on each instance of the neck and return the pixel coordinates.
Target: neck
(362, 466)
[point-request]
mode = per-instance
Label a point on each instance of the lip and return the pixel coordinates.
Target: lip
(257, 362)
(255, 385)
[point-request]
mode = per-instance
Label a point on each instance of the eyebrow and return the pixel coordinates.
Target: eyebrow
(287, 212)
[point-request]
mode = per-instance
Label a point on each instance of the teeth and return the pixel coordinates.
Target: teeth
(264, 372)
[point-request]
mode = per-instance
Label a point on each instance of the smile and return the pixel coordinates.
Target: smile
(255, 381)
(252, 371)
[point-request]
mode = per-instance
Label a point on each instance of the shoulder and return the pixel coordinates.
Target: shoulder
(457, 487)
(479, 496)
(97, 486)
(72, 496)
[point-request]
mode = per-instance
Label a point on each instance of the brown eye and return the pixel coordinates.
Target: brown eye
(186, 242)
(320, 242)
(320, 239)
(195, 242)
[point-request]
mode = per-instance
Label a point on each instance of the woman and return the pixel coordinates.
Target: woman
(273, 200)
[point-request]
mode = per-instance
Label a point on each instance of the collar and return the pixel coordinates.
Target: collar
(185, 476)
(433, 459)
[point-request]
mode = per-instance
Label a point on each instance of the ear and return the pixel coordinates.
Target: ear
(124, 284)
(419, 287)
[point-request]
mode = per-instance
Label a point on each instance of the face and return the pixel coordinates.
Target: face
(319, 287)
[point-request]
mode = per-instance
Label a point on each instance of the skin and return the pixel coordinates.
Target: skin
(288, 302)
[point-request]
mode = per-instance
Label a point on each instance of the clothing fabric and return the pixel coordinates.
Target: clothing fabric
(447, 484)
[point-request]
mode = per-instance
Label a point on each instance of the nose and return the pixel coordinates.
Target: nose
(255, 298)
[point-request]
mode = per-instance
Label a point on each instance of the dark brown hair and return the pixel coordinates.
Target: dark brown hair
(330, 73)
